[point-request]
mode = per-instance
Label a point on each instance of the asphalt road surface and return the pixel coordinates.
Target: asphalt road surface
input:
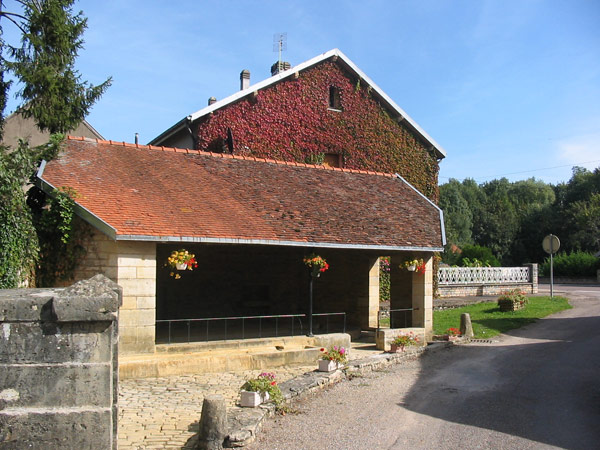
(534, 388)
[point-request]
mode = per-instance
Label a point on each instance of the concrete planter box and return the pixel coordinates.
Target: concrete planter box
(253, 399)
(325, 365)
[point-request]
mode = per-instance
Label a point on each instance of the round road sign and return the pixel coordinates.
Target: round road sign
(551, 244)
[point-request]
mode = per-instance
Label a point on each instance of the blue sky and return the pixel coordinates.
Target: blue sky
(506, 87)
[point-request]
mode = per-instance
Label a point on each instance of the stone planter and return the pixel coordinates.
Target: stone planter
(250, 399)
(325, 365)
(396, 348)
(411, 268)
(508, 305)
(181, 266)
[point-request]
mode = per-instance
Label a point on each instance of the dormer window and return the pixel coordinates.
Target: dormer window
(334, 98)
(332, 160)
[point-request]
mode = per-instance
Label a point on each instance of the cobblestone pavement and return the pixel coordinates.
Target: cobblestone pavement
(163, 413)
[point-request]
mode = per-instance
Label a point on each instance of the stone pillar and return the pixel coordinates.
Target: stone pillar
(59, 367)
(373, 308)
(400, 292)
(213, 423)
(132, 265)
(136, 274)
(533, 276)
(422, 298)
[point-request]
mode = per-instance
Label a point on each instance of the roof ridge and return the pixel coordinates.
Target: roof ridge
(228, 155)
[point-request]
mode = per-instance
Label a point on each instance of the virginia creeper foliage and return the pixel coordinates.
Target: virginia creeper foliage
(291, 121)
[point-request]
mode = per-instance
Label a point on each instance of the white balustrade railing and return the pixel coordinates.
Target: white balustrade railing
(450, 276)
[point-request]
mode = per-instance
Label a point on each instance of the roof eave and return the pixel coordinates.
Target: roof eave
(239, 241)
(79, 210)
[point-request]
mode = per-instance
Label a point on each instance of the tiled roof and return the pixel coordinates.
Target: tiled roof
(131, 191)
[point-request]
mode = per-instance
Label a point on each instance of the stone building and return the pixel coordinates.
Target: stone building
(338, 170)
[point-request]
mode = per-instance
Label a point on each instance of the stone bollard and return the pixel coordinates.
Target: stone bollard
(213, 423)
(466, 329)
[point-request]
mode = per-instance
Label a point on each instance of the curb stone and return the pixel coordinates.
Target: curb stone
(245, 423)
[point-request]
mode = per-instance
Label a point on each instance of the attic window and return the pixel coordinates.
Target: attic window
(334, 98)
(332, 160)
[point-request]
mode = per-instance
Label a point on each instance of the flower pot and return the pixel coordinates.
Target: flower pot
(326, 365)
(181, 266)
(412, 268)
(265, 397)
(396, 348)
(250, 399)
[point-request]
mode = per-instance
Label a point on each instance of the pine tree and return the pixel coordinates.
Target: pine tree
(55, 96)
(53, 92)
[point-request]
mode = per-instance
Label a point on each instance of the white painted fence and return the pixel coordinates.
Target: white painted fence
(453, 276)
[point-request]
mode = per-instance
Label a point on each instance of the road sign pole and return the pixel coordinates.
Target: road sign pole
(551, 277)
(550, 245)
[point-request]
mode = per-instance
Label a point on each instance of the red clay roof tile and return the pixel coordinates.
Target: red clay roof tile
(162, 192)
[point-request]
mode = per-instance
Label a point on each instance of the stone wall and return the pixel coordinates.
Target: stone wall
(132, 265)
(58, 366)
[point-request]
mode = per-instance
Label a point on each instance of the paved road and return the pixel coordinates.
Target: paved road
(536, 387)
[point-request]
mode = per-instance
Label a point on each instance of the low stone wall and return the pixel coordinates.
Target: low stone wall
(483, 290)
(493, 287)
(385, 336)
(58, 366)
(571, 280)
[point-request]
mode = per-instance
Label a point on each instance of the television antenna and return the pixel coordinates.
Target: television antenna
(279, 45)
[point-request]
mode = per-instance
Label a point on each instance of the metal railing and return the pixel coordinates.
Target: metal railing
(450, 276)
(392, 314)
(217, 328)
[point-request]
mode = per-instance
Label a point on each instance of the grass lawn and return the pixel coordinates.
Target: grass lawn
(488, 321)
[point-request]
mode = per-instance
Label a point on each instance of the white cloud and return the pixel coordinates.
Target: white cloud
(582, 150)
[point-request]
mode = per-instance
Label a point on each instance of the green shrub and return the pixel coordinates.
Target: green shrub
(483, 256)
(574, 264)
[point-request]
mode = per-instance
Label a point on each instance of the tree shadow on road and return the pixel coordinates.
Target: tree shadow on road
(541, 383)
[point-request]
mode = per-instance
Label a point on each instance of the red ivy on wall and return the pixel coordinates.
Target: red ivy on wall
(291, 121)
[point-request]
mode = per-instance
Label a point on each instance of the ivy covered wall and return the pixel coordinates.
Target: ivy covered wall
(292, 121)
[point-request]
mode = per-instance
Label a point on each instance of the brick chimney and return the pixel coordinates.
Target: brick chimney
(280, 67)
(211, 100)
(244, 80)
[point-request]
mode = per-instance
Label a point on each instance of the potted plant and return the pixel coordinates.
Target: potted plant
(316, 264)
(402, 340)
(180, 260)
(512, 300)
(415, 265)
(332, 359)
(260, 390)
(452, 334)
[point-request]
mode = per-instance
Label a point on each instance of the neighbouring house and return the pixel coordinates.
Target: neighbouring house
(315, 159)
(18, 127)
(249, 221)
(325, 111)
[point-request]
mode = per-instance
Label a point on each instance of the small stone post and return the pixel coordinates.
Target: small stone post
(213, 423)
(466, 329)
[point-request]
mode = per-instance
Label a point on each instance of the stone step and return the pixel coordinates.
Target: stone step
(202, 358)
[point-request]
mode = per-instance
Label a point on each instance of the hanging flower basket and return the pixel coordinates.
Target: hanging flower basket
(180, 260)
(316, 264)
(415, 265)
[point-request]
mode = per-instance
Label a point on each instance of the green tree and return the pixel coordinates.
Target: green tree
(500, 220)
(458, 217)
(56, 98)
(53, 92)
